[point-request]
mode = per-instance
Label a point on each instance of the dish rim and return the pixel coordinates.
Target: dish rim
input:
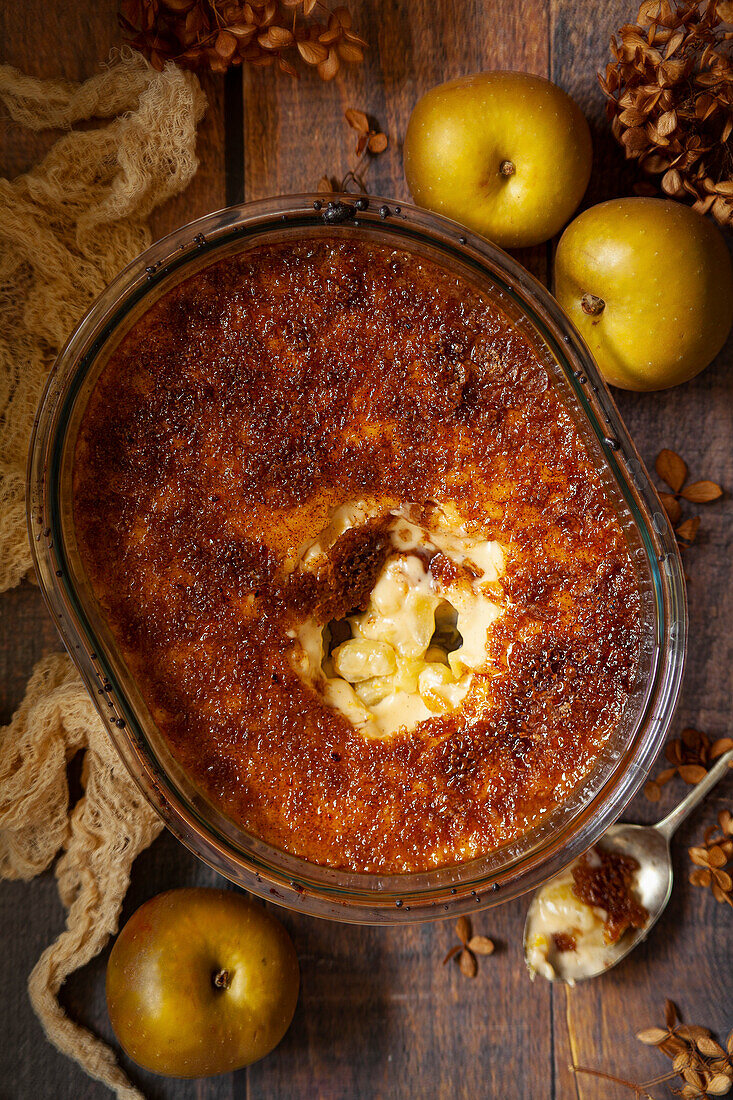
(262, 868)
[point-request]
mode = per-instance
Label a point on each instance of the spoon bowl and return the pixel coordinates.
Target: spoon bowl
(649, 845)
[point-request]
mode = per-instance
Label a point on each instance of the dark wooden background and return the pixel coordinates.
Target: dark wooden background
(378, 1016)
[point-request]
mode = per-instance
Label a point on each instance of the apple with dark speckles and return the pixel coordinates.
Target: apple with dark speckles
(508, 154)
(201, 982)
(648, 282)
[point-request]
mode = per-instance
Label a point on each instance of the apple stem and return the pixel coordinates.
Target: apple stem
(506, 168)
(592, 305)
(222, 979)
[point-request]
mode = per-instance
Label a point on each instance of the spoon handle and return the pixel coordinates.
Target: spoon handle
(668, 825)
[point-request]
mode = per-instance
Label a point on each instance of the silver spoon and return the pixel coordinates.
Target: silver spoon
(649, 846)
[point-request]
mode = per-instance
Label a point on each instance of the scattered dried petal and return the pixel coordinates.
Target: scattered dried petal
(718, 1085)
(652, 1036)
(467, 963)
(688, 530)
(652, 790)
(671, 506)
(671, 1014)
(327, 69)
(357, 120)
(716, 856)
(312, 52)
(692, 773)
(463, 930)
(709, 1047)
(481, 945)
(702, 492)
(671, 468)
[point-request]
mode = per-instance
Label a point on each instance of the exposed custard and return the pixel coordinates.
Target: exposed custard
(231, 427)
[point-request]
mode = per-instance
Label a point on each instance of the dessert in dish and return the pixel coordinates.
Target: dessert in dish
(577, 918)
(350, 543)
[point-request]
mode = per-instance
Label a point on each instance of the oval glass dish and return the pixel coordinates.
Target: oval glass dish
(623, 764)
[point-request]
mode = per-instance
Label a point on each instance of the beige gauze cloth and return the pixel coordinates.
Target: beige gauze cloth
(66, 228)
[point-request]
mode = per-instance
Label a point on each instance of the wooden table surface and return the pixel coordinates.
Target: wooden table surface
(378, 1016)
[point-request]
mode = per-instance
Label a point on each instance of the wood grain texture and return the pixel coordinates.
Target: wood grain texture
(688, 958)
(379, 1018)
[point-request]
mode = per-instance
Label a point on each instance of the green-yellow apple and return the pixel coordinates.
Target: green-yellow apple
(648, 282)
(201, 982)
(507, 154)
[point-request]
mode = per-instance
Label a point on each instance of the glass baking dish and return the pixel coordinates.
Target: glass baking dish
(276, 875)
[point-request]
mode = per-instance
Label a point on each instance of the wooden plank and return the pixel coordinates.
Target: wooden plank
(689, 957)
(295, 131)
(378, 1016)
(70, 41)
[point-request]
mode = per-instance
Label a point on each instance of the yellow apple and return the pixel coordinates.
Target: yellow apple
(649, 284)
(201, 982)
(507, 154)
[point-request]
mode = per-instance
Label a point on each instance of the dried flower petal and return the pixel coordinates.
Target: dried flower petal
(719, 893)
(652, 790)
(693, 1032)
(312, 52)
(692, 773)
(463, 930)
(723, 744)
(357, 120)
(671, 468)
(652, 1036)
(688, 530)
(702, 492)
(682, 1061)
(467, 963)
(664, 776)
(327, 69)
(716, 856)
(723, 880)
(671, 1014)
(481, 945)
(718, 1085)
(709, 1047)
(452, 953)
(671, 506)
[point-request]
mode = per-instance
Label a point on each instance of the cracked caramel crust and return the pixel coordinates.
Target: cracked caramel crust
(248, 402)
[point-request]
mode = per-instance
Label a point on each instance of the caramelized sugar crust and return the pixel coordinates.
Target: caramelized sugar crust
(244, 406)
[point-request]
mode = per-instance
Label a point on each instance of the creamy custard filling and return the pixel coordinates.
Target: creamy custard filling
(412, 652)
(578, 919)
(565, 935)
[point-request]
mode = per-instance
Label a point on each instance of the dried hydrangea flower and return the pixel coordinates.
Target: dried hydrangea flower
(200, 34)
(670, 99)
